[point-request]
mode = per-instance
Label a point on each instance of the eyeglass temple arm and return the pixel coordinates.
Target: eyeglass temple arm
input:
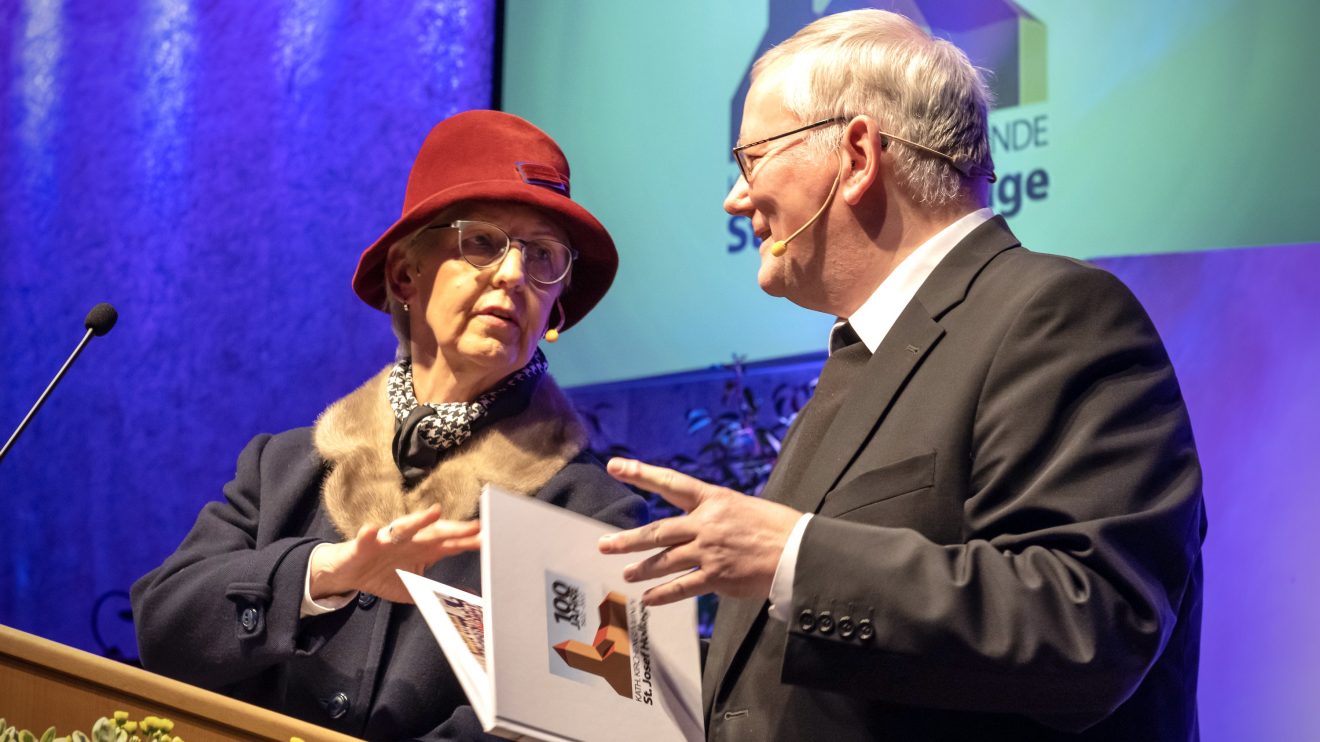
(968, 171)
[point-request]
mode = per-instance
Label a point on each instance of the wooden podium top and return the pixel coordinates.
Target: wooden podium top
(44, 684)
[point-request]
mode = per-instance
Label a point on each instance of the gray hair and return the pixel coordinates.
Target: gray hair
(917, 87)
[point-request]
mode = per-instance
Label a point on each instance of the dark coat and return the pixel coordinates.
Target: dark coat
(223, 611)
(1008, 527)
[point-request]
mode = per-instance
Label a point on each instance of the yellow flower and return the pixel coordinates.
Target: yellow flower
(130, 726)
(121, 717)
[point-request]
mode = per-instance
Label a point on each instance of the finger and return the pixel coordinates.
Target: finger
(446, 529)
(671, 560)
(403, 529)
(422, 554)
(458, 545)
(678, 488)
(685, 586)
(655, 535)
(374, 535)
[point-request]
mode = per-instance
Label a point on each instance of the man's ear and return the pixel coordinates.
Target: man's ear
(401, 275)
(863, 149)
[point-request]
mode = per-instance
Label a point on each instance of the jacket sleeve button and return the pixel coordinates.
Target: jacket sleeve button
(846, 627)
(248, 619)
(807, 621)
(865, 631)
(825, 622)
(365, 600)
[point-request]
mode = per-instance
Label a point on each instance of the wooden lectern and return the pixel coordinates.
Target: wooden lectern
(45, 684)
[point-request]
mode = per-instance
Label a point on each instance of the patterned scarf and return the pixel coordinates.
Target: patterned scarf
(425, 432)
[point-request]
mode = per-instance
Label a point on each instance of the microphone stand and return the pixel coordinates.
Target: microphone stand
(42, 399)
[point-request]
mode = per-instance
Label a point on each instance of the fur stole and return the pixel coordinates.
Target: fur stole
(364, 487)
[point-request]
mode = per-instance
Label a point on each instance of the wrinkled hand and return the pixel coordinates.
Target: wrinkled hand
(411, 543)
(728, 543)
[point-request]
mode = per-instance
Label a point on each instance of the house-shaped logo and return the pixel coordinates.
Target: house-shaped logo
(997, 35)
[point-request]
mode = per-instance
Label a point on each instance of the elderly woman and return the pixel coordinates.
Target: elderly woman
(284, 594)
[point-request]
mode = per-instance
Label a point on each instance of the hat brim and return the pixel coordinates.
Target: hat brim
(593, 271)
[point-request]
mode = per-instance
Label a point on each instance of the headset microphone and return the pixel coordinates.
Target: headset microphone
(779, 247)
(552, 334)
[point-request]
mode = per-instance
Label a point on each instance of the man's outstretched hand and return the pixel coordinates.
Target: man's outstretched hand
(727, 543)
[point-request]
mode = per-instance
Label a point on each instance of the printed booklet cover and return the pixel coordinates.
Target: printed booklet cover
(560, 647)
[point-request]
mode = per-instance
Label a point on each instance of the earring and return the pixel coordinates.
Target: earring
(552, 334)
(405, 307)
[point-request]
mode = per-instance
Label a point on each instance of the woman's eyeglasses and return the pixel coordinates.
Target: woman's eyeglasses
(483, 245)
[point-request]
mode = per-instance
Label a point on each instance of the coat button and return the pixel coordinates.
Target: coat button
(846, 627)
(366, 600)
(336, 706)
(248, 619)
(865, 631)
(825, 623)
(807, 621)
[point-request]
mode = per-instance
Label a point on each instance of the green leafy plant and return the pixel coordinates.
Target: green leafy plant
(115, 728)
(743, 440)
(742, 448)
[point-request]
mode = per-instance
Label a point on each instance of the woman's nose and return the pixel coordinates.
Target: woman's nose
(510, 271)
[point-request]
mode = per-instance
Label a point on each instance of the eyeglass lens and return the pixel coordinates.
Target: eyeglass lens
(484, 245)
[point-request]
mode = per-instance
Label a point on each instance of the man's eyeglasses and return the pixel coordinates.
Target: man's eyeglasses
(483, 245)
(746, 162)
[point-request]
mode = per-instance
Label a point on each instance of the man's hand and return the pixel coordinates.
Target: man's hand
(411, 543)
(728, 543)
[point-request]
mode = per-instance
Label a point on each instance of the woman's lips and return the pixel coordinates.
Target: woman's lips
(499, 317)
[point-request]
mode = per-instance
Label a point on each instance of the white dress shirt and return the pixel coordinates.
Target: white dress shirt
(872, 322)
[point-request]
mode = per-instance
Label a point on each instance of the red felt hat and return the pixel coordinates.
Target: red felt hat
(496, 156)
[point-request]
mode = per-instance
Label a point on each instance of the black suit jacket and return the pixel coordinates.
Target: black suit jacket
(1007, 533)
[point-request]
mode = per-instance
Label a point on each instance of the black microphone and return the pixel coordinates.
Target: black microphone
(101, 319)
(98, 322)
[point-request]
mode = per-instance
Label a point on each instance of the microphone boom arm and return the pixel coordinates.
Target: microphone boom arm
(50, 388)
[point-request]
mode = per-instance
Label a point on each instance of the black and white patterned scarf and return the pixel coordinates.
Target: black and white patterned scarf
(425, 432)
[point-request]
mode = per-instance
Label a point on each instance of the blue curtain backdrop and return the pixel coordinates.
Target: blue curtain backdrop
(213, 169)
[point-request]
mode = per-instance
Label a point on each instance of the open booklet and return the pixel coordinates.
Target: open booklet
(560, 647)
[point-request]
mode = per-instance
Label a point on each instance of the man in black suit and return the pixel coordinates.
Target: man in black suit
(987, 522)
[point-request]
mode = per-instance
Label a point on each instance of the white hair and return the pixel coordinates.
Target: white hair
(920, 88)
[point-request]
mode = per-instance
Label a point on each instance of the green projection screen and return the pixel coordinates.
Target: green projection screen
(1123, 127)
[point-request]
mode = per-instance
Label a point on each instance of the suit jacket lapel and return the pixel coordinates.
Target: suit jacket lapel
(916, 331)
(907, 343)
(816, 470)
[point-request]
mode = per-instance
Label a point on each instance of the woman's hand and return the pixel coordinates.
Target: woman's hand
(367, 563)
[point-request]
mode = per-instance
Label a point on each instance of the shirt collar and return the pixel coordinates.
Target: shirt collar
(877, 314)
